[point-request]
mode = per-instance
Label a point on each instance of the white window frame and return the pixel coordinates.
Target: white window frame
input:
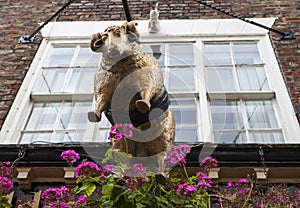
(197, 31)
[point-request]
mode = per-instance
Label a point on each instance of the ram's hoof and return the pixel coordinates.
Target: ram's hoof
(142, 106)
(93, 117)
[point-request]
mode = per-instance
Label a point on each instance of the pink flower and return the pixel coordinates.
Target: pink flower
(70, 155)
(203, 180)
(5, 185)
(120, 131)
(82, 200)
(58, 197)
(260, 206)
(107, 170)
(137, 170)
(87, 169)
(242, 180)
(177, 155)
(5, 169)
(208, 163)
(185, 189)
(229, 184)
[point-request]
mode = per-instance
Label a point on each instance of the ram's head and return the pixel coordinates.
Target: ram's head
(115, 41)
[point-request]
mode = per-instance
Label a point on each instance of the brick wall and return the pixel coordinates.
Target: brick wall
(18, 18)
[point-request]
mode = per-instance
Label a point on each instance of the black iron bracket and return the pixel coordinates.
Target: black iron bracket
(30, 38)
(283, 35)
(127, 10)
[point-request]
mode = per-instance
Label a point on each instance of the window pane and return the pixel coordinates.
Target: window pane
(184, 110)
(81, 81)
(230, 137)
(74, 115)
(226, 115)
(217, 54)
(156, 51)
(220, 79)
(87, 58)
(182, 54)
(101, 136)
(261, 114)
(69, 137)
(60, 57)
(43, 116)
(28, 138)
(253, 79)
(182, 80)
(246, 54)
(51, 81)
(266, 137)
(186, 135)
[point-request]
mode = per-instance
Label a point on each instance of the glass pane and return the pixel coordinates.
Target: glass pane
(226, 115)
(101, 136)
(253, 79)
(266, 137)
(220, 79)
(186, 135)
(230, 137)
(60, 57)
(43, 116)
(104, 121)
(261, 114)
(28, 138)
(246, 54)
(182, 80)
(184, 111)
(81, 81)
(50, 81)
(217, 54)
(86, 57)
(156, 51)
(182, 54)
(74, 115)
(69, 137)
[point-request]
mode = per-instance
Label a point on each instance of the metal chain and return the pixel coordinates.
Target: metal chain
(262, 160)
(21, 154)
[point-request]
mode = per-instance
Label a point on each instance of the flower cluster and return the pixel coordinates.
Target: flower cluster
(203, 180)
(5, 176)
(5, 169)
(132, 185)
(70, 156)
(208, 163)
(120, 131)
(58, 197)
(177, 155)
(81, 201)
(5, 185)
(186, 189)
(136, 170)
(87, 169)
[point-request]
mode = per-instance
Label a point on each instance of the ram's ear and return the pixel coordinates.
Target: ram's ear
(133, 34)
(96, 42)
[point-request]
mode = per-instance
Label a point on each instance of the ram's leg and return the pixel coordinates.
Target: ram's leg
(143, 105)
(95, 116)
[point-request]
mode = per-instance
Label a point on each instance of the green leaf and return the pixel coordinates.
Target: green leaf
(4, 202)
(139, 205)
(162, 201)
(90, 190)
(107, 189)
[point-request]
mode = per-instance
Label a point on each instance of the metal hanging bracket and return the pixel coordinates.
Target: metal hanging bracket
(127, 10)
(283, 35)
(30, 38)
